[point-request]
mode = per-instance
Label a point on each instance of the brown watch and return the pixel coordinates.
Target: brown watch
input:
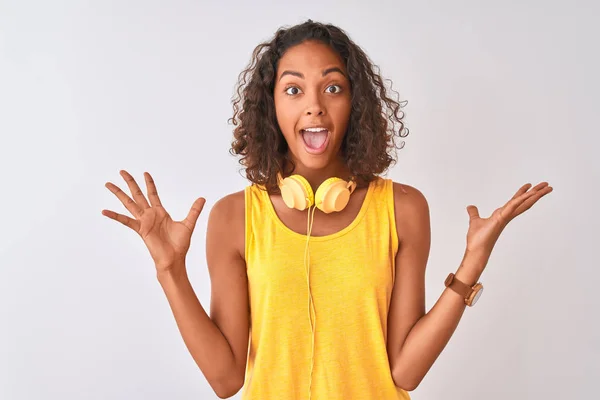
(470, 294)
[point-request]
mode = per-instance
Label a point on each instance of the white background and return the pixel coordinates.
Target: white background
(499, 94)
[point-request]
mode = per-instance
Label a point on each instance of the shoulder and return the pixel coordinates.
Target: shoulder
(411, 210)
(408, 195)
(229, 206)
(226, 220)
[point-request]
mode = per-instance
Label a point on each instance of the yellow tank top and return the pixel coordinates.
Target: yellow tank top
(351, 278)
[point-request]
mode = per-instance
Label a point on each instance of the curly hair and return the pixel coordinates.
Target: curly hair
(375, 119)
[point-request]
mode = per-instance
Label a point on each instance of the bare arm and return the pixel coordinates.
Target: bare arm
(417, 339)
(217, 343)
(408, 297)
(428, 338)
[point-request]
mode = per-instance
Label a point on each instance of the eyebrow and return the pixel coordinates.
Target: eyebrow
(299, 75)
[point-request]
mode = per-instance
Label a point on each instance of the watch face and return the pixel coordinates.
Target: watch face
(477, 296)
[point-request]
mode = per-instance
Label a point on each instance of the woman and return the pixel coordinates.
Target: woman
(317, 268)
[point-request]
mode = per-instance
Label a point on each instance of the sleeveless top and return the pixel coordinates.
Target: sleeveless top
(351, 273)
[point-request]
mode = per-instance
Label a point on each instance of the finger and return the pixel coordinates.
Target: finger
(540, 186)
(522, 190)
(473, 212)
(527, 204)
(152, 192)
(129, 204)
(138, 196)
(192, 217)
(512, 205)
(125, 220)
(526, 187)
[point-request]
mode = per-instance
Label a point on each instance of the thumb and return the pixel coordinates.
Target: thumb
(473, 212)
(192, 217)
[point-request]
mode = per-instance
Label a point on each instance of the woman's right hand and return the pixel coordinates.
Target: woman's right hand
(168, 241)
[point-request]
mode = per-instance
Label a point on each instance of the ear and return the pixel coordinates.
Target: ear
(351, 185)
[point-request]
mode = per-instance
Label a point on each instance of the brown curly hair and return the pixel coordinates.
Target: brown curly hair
(375, 119)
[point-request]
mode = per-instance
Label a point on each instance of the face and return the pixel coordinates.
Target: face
(313, 103)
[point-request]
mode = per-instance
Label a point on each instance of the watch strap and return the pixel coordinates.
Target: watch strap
(458, 286)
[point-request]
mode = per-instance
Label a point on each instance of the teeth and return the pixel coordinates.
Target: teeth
(315, 129)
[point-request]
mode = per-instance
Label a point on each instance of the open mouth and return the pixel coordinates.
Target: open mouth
(315, 139)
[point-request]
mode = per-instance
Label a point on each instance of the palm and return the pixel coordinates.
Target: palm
(484, 232)
(168, 241)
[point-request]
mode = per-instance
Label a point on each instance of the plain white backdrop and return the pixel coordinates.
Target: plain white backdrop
(499, 94)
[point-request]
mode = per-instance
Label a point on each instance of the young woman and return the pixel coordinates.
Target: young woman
(317, 267)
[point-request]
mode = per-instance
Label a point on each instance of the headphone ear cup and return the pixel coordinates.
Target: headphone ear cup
(332, 195)
(296, 192)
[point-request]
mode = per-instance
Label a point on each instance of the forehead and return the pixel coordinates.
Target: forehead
(310, 55)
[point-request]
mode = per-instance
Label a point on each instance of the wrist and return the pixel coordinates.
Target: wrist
(173, 274)
(472, 267)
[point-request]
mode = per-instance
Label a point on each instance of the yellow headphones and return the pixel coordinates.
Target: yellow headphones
(332, 195)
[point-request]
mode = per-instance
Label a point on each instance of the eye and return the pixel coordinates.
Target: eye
(292, 91)
(339, 89)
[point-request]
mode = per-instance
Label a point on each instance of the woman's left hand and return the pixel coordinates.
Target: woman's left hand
(484, 232)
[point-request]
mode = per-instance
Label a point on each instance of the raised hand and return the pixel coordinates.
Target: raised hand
(484, 232)
(168, 241)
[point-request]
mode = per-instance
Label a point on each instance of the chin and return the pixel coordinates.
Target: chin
(314, 162)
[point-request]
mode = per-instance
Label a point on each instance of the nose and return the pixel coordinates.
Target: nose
(315, 106)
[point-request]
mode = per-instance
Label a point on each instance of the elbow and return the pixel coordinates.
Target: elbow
(228, 387)
(225, 394)
(403, 379)
(406, 386)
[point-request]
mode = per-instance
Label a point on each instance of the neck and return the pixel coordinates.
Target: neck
(316, 177)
